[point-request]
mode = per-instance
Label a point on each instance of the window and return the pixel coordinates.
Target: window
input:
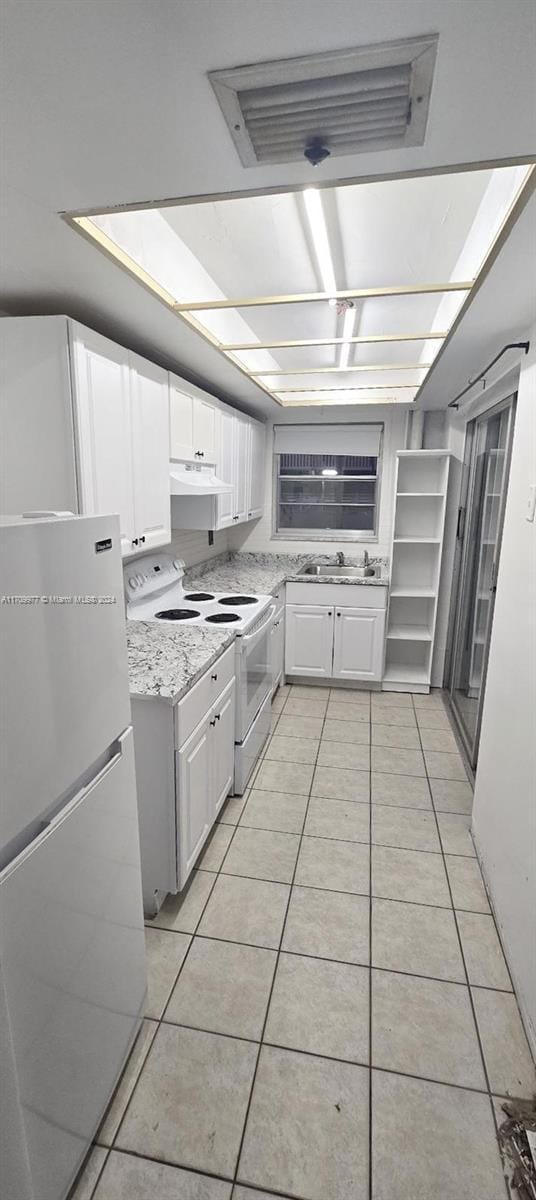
(326, 481)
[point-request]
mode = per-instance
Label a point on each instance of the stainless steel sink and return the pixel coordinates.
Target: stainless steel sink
(335, 569)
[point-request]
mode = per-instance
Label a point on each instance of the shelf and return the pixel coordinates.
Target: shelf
(406, 674)
(417, 495)
(417, 541)
(420, 454)
(413, 593)
(410, 633)
(327, 503)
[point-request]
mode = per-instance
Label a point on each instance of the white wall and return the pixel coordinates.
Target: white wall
(257, 535)
(192, 545)
(504, 812)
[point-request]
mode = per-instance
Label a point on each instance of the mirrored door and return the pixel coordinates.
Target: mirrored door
(490, 440)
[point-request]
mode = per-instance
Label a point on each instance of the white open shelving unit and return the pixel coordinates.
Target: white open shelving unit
(418, 531)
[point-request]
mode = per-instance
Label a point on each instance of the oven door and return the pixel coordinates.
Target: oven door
(254, 673)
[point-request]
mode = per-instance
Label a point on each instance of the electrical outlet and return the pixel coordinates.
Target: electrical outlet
(531, 502)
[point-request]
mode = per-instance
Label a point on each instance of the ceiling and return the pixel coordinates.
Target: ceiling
(367, 278)
(109, 104)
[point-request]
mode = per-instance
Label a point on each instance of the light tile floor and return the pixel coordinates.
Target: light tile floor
(330, 1016)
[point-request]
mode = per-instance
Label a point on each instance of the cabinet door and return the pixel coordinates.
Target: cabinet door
(103, 422)
(358, 643)
(255, 470)
(222, 729)
(150, 445)
(194, 781)
(181, 423)
(309, 640)
(226, 468)
(241, 469)
(278, 648)
(204, 431)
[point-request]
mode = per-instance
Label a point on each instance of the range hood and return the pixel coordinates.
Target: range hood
(187, 480)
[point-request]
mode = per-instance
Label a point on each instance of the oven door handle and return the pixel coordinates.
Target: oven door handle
(249, 638)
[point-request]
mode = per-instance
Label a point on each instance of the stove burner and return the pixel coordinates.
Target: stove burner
(238, 600)
(176, 614)
(199, 596)
(223, 618)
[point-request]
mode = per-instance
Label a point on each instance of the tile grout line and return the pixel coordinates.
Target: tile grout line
(469, 992)
(278, 955)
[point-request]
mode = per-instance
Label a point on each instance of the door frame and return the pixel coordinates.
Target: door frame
(467, 498)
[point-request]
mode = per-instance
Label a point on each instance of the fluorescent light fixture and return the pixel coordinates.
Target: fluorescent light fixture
(317, 223)
(347, 332)
(329, 471)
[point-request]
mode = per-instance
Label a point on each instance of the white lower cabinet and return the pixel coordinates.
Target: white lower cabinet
(342, 638)
(222, 747)
(205, 777)
(194, 796)
(184, 771)
(278, 647)
(309, 640)
(358, 643)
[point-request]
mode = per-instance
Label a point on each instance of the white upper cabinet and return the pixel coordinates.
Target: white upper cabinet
(241, 470)
(204, 431)
(122, 420)
(103, 420)
(181, 422)
(150, 453)
(256, 470)
(192, 424)
(226, 468)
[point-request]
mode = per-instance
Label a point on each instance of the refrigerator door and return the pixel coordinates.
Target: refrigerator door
(63, 660)
(72, 945)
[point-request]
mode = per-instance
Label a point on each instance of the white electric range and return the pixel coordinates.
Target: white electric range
(155, 591)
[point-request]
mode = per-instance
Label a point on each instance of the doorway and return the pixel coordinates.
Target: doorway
(488, 448)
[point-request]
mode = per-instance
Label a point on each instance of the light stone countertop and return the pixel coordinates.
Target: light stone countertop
(264, 574)
(166, 661)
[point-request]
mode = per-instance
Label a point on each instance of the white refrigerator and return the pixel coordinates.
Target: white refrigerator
(72, 965)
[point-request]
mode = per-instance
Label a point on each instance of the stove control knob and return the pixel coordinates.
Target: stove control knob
(133, 582)
(140, 579)
(176, 565)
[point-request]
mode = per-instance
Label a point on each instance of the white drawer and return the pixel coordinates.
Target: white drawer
(199, 700)
(343, 595)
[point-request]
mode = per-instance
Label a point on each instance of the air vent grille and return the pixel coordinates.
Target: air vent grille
(349, 101)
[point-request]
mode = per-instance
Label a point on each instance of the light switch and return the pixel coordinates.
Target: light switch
(531, 502)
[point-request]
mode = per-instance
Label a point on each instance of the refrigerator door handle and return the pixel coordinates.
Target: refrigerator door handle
(66, 806)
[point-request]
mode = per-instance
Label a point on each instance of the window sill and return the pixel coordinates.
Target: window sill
(307, 535)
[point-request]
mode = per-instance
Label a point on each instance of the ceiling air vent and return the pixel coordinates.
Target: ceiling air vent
(343, 102)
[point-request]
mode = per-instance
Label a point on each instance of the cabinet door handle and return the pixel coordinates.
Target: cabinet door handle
(142, 539)
(215, 676)
(213, 722)
(217, 717)
(134, 541)
(330, 614)
(338, 614)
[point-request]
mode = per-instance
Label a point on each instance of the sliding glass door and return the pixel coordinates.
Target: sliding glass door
(489, 442)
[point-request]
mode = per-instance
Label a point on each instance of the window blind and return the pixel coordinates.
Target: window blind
(361, 440)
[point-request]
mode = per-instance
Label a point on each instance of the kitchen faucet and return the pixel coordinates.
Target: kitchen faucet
(340, 558)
